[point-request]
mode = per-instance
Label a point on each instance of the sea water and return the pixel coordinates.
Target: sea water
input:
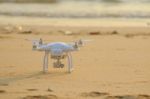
(128, 9)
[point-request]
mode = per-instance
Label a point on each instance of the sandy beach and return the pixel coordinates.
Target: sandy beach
(115, 65)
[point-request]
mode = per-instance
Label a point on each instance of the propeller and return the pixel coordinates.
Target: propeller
(27, 39)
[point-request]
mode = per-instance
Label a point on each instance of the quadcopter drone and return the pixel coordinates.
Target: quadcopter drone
(57, 51)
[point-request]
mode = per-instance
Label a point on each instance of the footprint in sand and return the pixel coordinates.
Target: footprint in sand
(2, 91)
(143, 97)
(129, 97)
(49, 90)
(121, 97)
(94, 94)
(41, 97)
(32, 89)
(4, 84)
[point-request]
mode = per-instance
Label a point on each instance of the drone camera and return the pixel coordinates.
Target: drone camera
(58, 64)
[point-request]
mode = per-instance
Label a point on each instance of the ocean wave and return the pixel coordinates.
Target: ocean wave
(77, 9)
(75, 15)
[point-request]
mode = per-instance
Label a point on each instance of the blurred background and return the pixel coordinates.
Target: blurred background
(138, 9)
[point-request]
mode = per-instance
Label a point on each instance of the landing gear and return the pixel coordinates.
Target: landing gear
(70, 65)
(45, 62)
(57, 63)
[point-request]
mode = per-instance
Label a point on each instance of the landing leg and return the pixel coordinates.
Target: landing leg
(70, 66)
(71, 62)
(45, 62)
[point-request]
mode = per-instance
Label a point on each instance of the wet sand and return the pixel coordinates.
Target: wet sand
(115, 65)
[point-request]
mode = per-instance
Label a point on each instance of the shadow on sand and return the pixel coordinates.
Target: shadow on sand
(7, 80)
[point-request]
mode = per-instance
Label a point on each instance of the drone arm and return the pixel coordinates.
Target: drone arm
(43, 47)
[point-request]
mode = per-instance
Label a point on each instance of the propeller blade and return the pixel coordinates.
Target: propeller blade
(86, 40)
(28, 39)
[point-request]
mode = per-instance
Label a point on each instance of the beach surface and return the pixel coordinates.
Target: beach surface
(114, 65)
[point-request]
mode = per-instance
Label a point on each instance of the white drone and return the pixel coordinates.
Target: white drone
(58, 51)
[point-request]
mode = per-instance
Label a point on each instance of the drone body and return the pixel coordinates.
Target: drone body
(58, 51)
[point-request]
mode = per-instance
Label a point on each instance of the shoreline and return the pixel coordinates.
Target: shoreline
(74, 26)
(102, 22)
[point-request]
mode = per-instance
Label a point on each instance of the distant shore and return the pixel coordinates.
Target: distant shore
(80, 27)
